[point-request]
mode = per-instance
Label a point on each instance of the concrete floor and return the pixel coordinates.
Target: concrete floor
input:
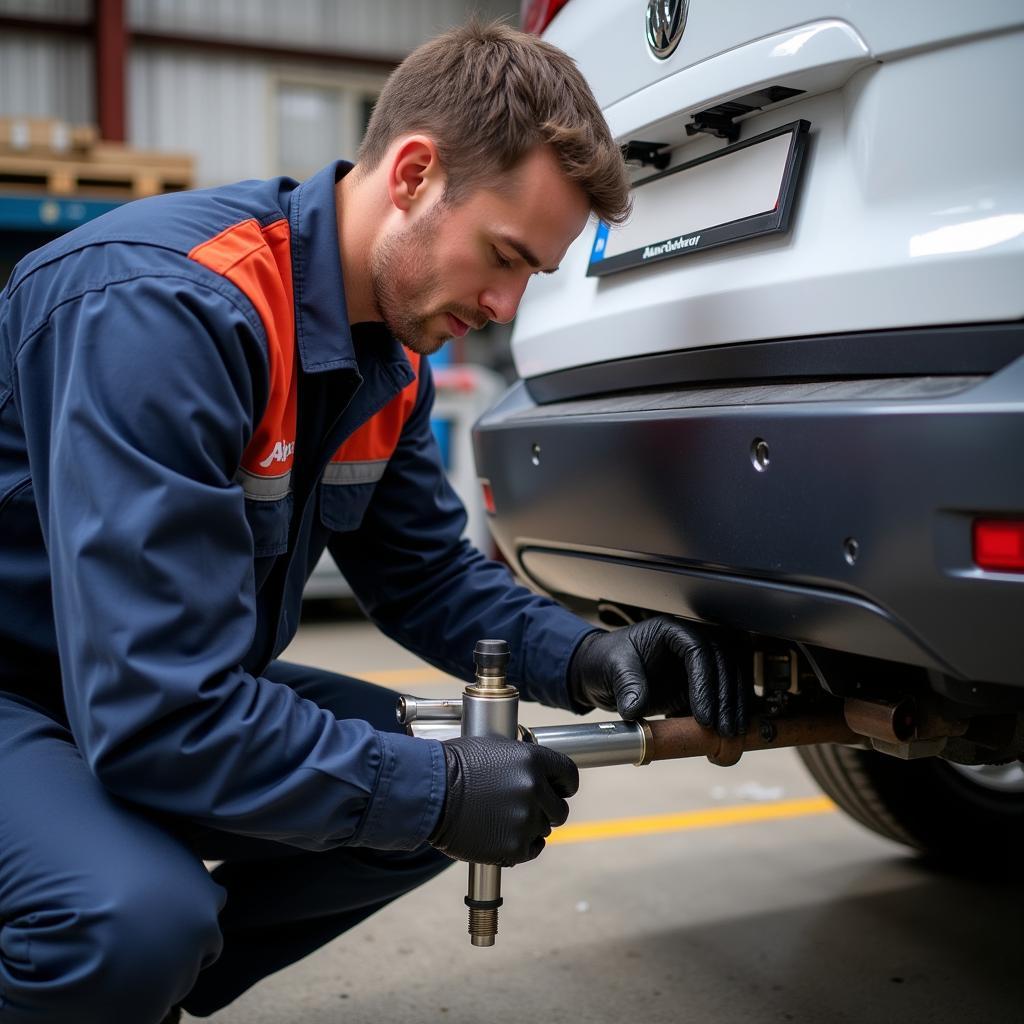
(807, 918)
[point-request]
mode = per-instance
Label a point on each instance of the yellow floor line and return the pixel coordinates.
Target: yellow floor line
(713, 817)
(404, 676)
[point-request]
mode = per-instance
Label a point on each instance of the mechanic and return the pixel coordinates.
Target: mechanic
(199, 393)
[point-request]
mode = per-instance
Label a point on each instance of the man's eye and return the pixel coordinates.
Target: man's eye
(502, 262)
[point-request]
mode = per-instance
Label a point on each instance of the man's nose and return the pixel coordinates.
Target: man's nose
(501, 303)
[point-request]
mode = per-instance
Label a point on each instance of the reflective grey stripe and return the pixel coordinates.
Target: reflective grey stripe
(264, 488)
(354, 472)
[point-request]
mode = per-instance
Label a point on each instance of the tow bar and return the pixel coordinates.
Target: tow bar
(489, 707)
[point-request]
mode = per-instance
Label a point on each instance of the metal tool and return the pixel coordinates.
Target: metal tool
(604, 744)
(490, 707)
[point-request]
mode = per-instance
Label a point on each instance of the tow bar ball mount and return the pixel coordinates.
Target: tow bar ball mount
(490, 707)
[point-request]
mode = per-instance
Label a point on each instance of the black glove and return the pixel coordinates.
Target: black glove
(660, 666)
(503, 798)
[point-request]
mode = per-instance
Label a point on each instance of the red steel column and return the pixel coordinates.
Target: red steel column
(111, 54)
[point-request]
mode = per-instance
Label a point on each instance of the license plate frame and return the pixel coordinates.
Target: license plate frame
(761, 222)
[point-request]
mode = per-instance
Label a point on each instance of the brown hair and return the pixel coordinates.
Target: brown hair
(487, 95)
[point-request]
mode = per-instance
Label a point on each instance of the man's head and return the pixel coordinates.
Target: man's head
(487, 152)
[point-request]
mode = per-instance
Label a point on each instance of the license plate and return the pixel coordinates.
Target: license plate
(739, 192)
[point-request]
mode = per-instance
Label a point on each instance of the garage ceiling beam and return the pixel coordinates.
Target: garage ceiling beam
(49, 26)
(246, 48)
(236, 47)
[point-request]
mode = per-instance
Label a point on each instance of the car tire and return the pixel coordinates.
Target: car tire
(960, 818)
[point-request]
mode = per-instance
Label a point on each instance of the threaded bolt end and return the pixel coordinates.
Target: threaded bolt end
(483, 926)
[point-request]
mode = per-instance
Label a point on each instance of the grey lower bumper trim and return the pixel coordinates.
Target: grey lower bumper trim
(841, 523)
(804, 614)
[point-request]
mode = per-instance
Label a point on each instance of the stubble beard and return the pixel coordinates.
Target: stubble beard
(400, 288)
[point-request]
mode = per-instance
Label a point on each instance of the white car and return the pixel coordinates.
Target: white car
(788, 396)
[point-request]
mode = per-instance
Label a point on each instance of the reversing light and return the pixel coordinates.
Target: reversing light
(485, 486)
(536, 15)
(999, 544)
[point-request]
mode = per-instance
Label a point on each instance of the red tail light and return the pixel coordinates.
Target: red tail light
(488, 494)
(999, 545)
(536, 15)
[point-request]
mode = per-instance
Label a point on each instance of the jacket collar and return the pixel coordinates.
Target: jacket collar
(321, 317)
(322, 330)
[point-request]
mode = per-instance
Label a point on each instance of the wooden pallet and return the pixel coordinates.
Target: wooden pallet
(46, 156)
(45, 135)
(105, 171)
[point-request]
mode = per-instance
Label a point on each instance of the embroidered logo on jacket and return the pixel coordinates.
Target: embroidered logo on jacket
(282, 452)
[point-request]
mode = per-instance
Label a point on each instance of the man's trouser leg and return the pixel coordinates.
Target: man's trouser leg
(284, 903)
(103, 915)
(107, 916)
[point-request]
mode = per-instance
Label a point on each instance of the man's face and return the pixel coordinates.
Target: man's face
(460, 266)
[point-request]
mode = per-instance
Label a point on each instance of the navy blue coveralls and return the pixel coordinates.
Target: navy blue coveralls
(186, 422)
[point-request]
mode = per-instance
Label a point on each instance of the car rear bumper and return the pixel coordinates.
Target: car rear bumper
(856, 535)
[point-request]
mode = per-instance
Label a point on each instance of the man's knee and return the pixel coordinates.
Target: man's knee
(129, 951)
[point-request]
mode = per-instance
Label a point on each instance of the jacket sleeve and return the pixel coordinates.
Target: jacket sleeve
(429, 589)
(138, 399)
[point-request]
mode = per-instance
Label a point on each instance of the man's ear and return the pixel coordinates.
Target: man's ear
(414, 172)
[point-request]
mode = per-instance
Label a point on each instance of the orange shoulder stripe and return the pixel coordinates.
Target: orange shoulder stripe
(258, 261)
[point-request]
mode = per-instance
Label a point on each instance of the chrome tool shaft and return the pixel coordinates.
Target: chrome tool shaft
(490, 707)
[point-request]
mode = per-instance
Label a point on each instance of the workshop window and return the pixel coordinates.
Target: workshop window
(318, 123)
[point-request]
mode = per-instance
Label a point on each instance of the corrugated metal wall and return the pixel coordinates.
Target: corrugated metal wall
(44, 75)
(66, 10)
(214, 107)
(387, 27)
(221, 107)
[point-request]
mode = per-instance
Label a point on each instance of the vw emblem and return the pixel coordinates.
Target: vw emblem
(666, 20)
